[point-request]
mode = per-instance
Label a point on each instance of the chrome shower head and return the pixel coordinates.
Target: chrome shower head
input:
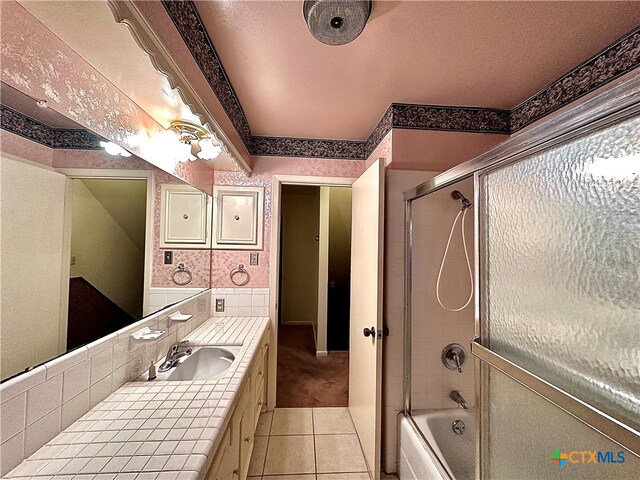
(457, 195)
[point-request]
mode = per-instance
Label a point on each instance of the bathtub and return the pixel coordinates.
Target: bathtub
(445, 455)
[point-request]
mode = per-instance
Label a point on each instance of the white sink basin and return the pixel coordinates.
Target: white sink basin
(205, 363)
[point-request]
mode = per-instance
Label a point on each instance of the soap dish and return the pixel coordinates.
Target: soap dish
(146, 334)
(179, 317)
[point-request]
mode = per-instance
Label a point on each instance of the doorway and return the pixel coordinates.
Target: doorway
(108, 248)
(314, 284)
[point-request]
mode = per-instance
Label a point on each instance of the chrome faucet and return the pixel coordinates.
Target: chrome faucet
(176, 352)
(456, 397)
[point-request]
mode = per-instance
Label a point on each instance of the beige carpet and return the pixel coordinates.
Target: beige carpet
(305, 380)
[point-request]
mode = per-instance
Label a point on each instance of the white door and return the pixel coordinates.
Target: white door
(365, 356)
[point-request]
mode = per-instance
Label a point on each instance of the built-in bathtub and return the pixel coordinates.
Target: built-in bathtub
(431, 450)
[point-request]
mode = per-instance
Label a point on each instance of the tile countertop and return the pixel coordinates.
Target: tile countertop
(159, 429)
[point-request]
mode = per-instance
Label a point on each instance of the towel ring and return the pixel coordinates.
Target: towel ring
(237, 271)
(181, 269)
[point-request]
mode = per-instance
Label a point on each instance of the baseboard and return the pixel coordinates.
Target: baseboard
(297, 323)
(321, 353)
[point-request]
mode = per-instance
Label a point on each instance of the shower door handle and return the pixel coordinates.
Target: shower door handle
(370, 331)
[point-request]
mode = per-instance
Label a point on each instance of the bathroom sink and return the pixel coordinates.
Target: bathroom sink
(207, 362)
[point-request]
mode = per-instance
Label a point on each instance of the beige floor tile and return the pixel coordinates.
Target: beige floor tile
(292, 421)
(289, 477)
(290, 454)
(343, 476)
(258, 455)
(332, 420)
(339, 453)
(264, 424)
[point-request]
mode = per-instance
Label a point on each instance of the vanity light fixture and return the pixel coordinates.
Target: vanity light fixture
(201, 144)
(114, 149)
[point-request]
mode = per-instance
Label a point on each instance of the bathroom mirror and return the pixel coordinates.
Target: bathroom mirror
(80, 223)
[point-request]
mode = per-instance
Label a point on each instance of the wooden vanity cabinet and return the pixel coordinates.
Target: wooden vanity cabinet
(233, 456)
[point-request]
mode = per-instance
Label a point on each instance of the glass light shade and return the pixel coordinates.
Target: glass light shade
(195, 148)
(183, 152)
(208, 149)
(114, 149)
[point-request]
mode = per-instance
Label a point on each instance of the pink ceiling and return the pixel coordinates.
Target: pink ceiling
(487, 54)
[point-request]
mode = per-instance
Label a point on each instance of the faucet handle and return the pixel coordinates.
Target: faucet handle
(173, 349)
(456, 358)
(453, 357)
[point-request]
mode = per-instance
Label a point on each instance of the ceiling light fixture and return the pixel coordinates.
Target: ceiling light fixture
(114, 149)
(336, 22)
(201, 144)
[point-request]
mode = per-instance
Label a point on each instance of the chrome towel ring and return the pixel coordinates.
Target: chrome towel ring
(239, 271)
(181, 275)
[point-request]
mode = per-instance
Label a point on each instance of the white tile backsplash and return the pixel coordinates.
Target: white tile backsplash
(241, 302)
(42, 431)
(37, 405)
(43, 398)
(22, 383)
(75, 408)
(12, 451)
(76, 379)
(99, 391)
(65, 362)
(13, 416)
(160, 297)
(101, 365)
(244, 300)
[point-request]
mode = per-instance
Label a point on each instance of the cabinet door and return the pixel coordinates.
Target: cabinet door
(238, 217)
(222, 466)
(184, 217)
(247, 429)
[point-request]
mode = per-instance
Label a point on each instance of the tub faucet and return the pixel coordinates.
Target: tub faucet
(456, 397)
(176, 351)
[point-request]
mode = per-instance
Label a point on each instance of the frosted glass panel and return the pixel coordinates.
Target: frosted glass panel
(561, 267)
(524, 430)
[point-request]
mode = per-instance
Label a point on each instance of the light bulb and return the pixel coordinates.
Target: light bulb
(209, 150)
(114, 149)
(184, 152)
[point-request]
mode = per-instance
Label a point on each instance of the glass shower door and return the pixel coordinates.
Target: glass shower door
(559, 298)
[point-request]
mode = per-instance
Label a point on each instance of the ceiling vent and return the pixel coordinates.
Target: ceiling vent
(336, 22)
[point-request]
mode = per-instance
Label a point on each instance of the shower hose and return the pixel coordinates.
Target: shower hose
(463, 213)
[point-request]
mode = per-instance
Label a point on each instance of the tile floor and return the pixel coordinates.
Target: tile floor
(307, 444)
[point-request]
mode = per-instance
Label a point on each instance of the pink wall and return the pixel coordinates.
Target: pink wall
(97, 159)
(40, 65)
(198, 262)
(223, 261)
(436, 150)
(383, 150)
(13, 144)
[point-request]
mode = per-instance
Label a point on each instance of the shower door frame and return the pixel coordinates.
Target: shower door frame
(615, 103)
